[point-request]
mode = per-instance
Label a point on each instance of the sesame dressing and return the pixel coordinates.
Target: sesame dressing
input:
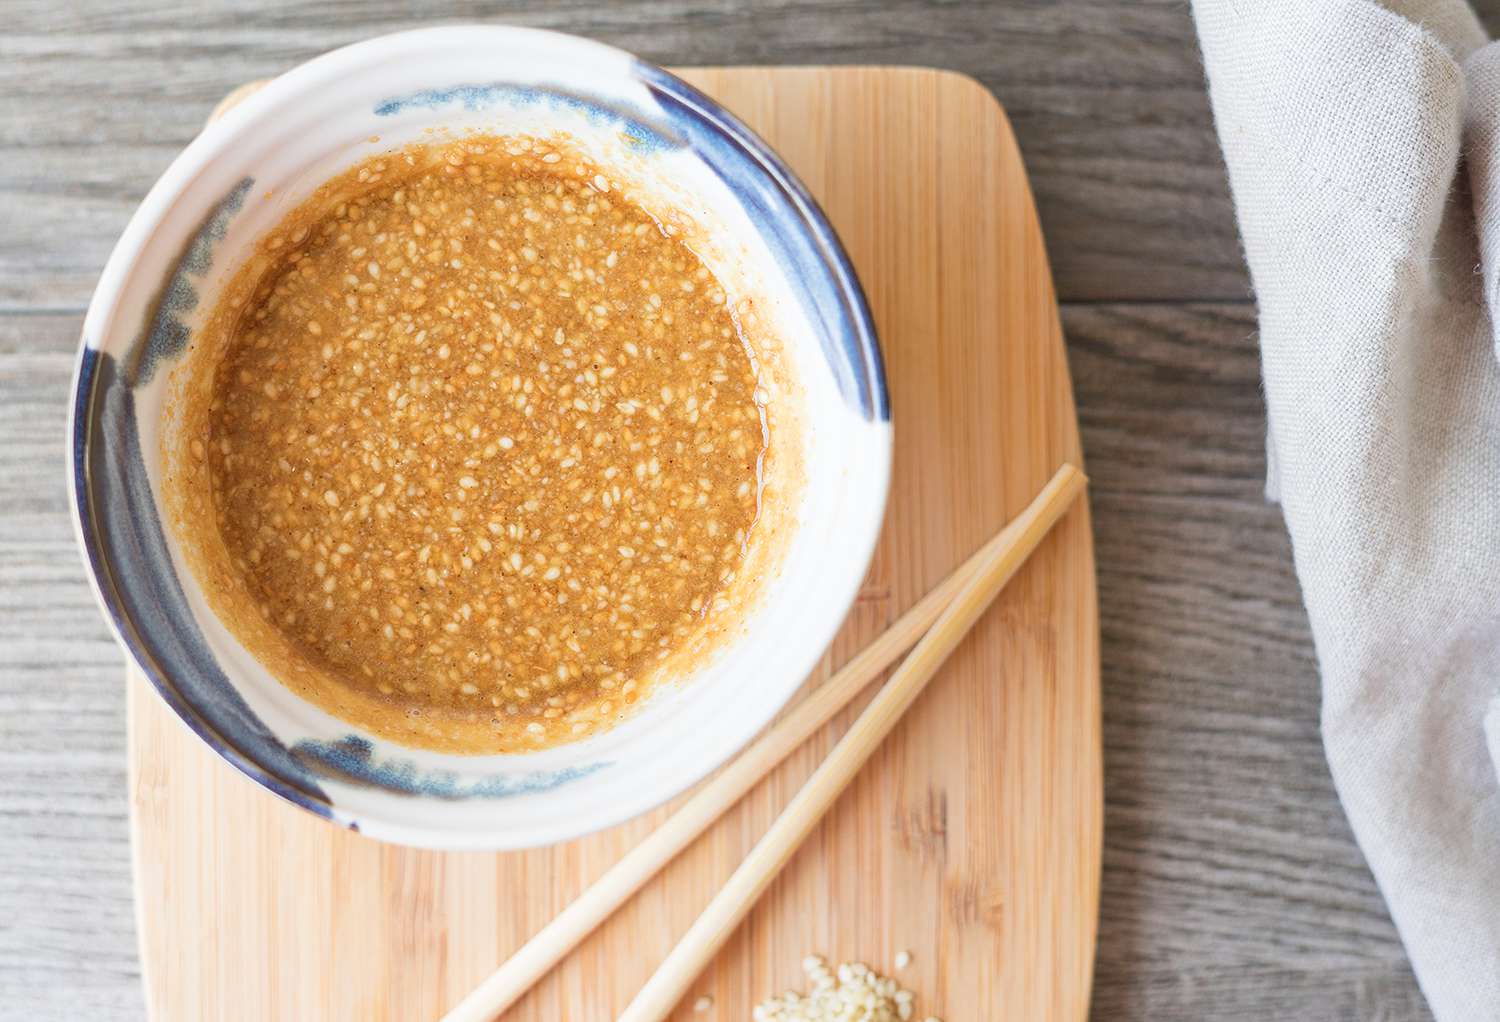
(485, 439)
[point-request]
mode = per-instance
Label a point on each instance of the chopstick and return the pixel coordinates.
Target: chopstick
(724, 913)
(553, 941)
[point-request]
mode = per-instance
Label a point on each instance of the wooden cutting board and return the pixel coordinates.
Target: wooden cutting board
(972, 838)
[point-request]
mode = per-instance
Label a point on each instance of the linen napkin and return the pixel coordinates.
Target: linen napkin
(1362, 147)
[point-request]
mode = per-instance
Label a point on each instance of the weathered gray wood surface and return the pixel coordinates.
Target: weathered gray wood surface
(1232, 886)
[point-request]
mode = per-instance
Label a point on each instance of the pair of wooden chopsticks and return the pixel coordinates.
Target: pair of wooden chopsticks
(937, 623)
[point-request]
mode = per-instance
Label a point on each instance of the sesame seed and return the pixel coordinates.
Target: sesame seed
(486, 308)
(852, 993)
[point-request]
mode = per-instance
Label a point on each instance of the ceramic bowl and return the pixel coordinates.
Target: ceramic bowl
(235, 182)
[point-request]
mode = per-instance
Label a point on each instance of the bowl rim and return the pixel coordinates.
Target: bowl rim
(206, 146)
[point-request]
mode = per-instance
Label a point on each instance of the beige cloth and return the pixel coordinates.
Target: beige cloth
(1361, 141)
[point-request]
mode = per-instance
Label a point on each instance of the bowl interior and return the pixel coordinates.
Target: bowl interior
(763, 236)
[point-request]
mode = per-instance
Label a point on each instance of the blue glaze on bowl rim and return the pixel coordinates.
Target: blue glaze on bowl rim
(117, 512)
(800, 238)
(643, 136)
(795, 227)
(353, 758)
(223, 720)
(300, 790)
(788, 219)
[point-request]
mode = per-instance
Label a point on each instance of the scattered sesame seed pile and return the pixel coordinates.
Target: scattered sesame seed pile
(853, 993)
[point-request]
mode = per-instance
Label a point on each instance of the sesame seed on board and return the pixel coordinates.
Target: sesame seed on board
(852, 993)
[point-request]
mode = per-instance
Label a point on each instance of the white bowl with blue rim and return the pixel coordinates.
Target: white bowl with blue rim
(235, 182)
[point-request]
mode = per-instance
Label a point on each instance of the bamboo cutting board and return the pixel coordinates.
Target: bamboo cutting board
(972, 838)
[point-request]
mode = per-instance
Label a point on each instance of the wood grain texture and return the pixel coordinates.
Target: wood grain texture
(765, 862)
(1231, 885)
(67, 936)
(972, 835)
(1232, 888)
(1106, 98)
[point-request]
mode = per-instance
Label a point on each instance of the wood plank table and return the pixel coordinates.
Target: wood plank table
(1232, 887)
